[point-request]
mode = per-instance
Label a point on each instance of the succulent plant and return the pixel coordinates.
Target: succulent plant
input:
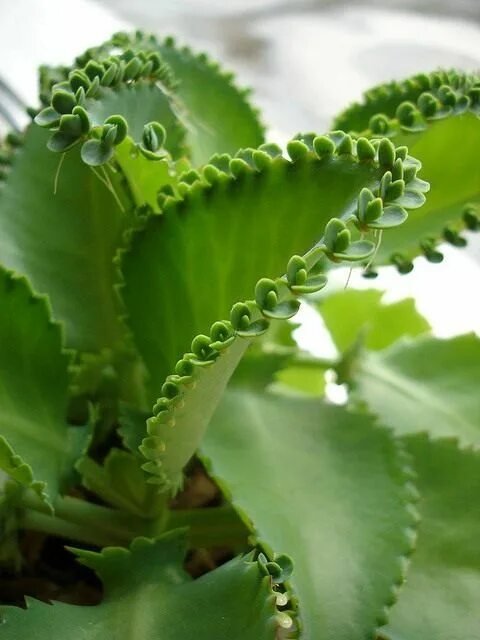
(153, 248)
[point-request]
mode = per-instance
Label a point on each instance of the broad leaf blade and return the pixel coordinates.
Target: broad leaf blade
(185, 269)
(33, 395)
(325, 486)
(189, 266)
(439, 600)
(64, 242)
(425, 385)
(229, 122)
(216, 113)
(147, 592)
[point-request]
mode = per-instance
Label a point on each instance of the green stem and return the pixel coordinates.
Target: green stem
(51, 525)
(102, 524)
(86, 522)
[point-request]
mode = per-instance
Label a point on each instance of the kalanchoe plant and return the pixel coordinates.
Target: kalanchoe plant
(156, 415)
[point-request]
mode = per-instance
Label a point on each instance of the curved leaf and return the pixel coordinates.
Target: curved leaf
(217, 114)
(436, 116)
(219, 117)
(439, 601)
(425, 385)
(147, 592)
(64, 242)
(117, 118)
(385, 98)
(329, 488)
(33, 394)
(185, 270)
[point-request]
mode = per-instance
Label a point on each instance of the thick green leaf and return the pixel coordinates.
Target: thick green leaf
(439, 600)
(33, 395)
(64, 242)
(436, 117)
(325, 486)
(228, 123)
(149, 595)
(425, 385)
(114, 125)
(353, 314)
(216, 113)
(185, 269)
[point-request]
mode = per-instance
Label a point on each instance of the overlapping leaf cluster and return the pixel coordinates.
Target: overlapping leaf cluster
(151, 245)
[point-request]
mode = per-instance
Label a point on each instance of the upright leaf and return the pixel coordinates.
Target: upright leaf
(229, 122)
(329, 488)
(119, 108)
(33, 395)
(186, 268)
(217, 115)
(64, 242)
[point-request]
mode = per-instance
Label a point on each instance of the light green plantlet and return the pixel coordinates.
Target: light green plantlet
(152, 248)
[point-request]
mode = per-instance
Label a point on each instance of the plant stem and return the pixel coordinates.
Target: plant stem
(86, 522)
(36, 521)
(100, 524)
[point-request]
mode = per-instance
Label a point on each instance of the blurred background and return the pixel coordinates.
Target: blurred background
(304, 59)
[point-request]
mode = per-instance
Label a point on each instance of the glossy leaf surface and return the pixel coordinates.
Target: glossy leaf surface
(329, 488)
(183, 271)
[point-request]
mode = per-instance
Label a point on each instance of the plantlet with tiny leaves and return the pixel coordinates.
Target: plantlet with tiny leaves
(157, 420)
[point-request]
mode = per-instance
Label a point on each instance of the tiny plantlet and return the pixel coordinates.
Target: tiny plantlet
(171, 464)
